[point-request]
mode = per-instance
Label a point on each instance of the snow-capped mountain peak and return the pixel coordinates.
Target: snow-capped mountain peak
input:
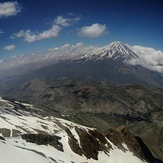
(123, 49)
(115, 50)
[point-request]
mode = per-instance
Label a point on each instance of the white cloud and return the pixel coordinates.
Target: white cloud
(53, 55)
(65, 22)
(68, 51)
(21, 33)
(148, 57)
(59, 23)
(1, 31)
(93, 31)
(9, 48)
(32, 37)
(9, 9)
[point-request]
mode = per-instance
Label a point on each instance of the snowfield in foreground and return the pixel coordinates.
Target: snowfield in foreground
(16, 150)
(68, 145)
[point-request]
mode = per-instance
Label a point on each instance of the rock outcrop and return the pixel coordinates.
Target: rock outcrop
(43, 139)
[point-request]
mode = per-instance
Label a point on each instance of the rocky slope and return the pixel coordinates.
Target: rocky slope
(99, 105)
(28, 136)
(70, 97)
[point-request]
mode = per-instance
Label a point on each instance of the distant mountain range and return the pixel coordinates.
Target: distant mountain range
(110, 63)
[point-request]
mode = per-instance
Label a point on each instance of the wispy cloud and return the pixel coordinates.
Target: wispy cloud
(68, 51)
(53, 55)
(9, 9)
(1, 31)
(93, 31)
(148, 57)
(9, 48)
(59, 23)
(30, 36)
(65, 22)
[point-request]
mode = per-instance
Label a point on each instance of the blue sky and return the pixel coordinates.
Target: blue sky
(28, 26)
